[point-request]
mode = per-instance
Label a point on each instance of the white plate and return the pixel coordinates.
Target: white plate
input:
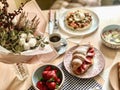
(94, 70)
(94, 25)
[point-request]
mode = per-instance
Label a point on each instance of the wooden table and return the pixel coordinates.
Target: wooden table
(107, 15)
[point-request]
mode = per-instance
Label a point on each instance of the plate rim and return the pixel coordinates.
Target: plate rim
(78, 76)
(115, 65)
(82, 34)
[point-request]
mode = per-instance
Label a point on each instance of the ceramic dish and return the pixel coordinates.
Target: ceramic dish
(111, 36)
(93, 27)
(113, 77)
(94, 70)
(39, 71)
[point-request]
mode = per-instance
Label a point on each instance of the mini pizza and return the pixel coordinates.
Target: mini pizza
(78, 20)
(82, 59)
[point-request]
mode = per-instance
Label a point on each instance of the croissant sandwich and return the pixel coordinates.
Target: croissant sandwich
(82, 59)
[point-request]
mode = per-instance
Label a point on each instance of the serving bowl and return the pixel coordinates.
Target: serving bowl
(38, 74)
(110, 36)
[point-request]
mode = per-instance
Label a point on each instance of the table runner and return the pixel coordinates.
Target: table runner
(73, 83)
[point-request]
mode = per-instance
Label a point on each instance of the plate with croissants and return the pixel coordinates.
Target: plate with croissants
(84, 61)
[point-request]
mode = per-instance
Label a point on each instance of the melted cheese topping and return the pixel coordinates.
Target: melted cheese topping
(78, 20)
(79, 16)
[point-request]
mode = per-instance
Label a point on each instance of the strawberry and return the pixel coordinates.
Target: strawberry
(88, 60)
(44, 87)
(39, 85)
(51, 74)
(82, 69)
(48, 68)
(55, 70)
(44, 74)
(51, 85)
(58, 80)
(83, 66)
(49, 80)
(91, 54)
(91, 50)
(79, 69)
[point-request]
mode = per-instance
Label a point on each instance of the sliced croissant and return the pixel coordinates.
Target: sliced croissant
(82, 59)
(82, 49)
(82, 69)
(76, 63)
(79, 56)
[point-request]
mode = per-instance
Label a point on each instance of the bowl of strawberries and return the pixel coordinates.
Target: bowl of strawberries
(48, 77)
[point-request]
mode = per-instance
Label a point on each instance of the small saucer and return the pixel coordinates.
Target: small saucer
(63, 47)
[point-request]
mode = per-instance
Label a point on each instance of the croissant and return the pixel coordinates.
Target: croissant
(82, 59)
(82, 69)
(82, 49)
(76, 63)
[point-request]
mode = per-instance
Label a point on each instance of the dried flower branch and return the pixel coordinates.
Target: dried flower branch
(19, 36)
(6, 17)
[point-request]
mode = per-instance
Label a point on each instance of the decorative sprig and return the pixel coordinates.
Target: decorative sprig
(10, 32)
(6, 17)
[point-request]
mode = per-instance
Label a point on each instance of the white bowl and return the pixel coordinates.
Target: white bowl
(39, 71)
(107, 43)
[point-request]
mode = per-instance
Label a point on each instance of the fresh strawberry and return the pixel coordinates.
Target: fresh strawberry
(49, 79)
(83, 66)
(51, 85)
(58, 80)
(44, 74)
(78, 69)
(39, 85)
(82, 69)
(51, 74)
(55, 70)
(91, 50)
(48, 68)
(44, 87)
(88, 60)
(91, 54)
